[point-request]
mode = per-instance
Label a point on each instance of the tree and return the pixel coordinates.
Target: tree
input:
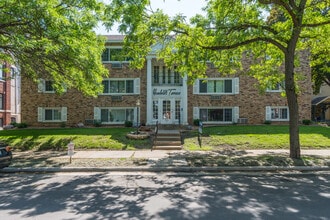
(230, 29)
(54, 39)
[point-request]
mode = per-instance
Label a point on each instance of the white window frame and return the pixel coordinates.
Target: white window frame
(42, 110)
(42, 86)
(136, 86)
(2, 72)
(269, 113)
(235, 114)
(280, 87)
(97, 114)
(235, 86)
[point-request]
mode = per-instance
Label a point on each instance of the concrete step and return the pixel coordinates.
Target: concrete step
(156, 147)
(167, 140)
(167, 143)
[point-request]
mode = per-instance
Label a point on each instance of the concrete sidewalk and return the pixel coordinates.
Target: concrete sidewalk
(159, 161)
(167, 153)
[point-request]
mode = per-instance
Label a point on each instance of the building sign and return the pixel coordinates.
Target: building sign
(166, 92)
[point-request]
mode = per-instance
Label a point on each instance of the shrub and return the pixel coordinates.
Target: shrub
(306, 122)
(21, 125)
(97, 123)
(128, 123)
(63, 124)
(196, 122)
(267, 122)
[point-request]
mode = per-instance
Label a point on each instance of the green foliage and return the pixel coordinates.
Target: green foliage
(19, 125)
(270, 34)
(306, 122)
(55, 40)
(196, 122)
(128, 123)
(97, 123)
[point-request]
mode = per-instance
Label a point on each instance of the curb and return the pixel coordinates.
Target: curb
(163, 169)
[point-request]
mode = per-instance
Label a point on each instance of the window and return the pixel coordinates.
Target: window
(277, 113)
(46, 86)
(217, 114)
(155, 110)
(121, 86)
(156, 74)
(277, 87)
(113, 55)
(2, 73)
(166, 76)
(109, 115)
(216, 86)
(49, 86)
(49, 114)
(1, 101)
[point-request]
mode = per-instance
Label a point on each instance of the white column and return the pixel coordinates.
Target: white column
(184, 101)
(149, 92)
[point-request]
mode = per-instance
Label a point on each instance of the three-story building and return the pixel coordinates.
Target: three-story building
(157, 93)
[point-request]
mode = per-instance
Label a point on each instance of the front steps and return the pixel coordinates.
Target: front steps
(167, 140)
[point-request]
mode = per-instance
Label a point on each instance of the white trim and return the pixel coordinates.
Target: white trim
(41, 114)
(269, 113)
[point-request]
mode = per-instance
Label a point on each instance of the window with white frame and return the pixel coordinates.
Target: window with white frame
(277, 113)
(276, 87)
(217, 114)
(217, 86)
(46, 86)
(121, 86)
(115, 115)
(114, 54)
(162, 75)
(52, 114)
(2, 72)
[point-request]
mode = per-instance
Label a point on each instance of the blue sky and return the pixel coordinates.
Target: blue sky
(171, 7)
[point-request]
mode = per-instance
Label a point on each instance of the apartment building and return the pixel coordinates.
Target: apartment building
(160, 94)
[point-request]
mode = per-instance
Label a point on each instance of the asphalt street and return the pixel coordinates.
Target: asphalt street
(144, 195)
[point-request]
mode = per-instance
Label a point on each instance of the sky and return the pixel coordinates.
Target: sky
(171, 7)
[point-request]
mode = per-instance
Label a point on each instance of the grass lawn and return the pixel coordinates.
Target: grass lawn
(213, 138)
(83, 138)
(257, 137)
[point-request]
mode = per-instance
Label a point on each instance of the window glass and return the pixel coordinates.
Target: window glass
(1, 101)
(216, 115)
(216, 86)
(105, 86)
(116, 54)
(129, 86)
(49, 86)
(105, 54)
(104, 115)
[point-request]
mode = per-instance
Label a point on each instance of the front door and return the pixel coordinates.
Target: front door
(166, 112)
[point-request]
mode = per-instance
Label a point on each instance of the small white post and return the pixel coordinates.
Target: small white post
(70, 150)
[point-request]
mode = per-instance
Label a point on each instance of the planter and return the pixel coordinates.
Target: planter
(139, 136)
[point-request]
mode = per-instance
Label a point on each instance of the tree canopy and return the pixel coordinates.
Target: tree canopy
(54, 39)
(231, 29)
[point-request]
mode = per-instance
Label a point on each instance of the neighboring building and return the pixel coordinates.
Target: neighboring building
(159, 94)
(321, 105)
(9, 94)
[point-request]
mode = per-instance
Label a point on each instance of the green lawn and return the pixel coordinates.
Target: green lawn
(258, 137)
(213, 138)
(83, 138)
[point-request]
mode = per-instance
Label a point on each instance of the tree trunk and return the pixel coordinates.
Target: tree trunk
(293, 105)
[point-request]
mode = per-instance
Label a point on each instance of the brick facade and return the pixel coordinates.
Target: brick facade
(250, 102)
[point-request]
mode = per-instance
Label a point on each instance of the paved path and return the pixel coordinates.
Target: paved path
(167, 153)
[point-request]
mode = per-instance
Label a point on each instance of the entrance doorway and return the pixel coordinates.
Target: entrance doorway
(167, 111)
